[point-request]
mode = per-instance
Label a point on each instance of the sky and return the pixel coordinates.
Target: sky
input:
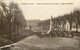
(32, 10)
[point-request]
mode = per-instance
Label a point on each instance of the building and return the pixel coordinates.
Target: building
(32, 24)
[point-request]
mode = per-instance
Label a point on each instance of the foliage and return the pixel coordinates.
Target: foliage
(61, 20)
(11, 19)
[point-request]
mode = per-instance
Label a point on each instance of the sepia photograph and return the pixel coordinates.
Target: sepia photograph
(39, 24)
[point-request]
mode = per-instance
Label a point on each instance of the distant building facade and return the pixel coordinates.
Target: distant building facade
(32, 24)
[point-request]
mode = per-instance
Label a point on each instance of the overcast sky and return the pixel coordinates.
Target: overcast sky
(42, 12)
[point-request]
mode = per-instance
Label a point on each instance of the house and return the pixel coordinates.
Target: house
(32, 24)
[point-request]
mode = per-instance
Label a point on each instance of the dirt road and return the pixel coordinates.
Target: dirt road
(55, 43)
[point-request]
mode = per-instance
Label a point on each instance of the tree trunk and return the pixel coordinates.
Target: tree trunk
(17, 28)
(76, 27)
(14, 27)
(70, 26)
(9, 30)
(1, 25)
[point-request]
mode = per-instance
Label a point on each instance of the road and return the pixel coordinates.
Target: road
(55, 43)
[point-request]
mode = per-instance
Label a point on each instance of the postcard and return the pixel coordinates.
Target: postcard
(39, 24)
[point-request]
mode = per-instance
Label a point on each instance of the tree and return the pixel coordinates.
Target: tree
(11, 18)
(17, 17)
(3, 14)
(77, 18)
